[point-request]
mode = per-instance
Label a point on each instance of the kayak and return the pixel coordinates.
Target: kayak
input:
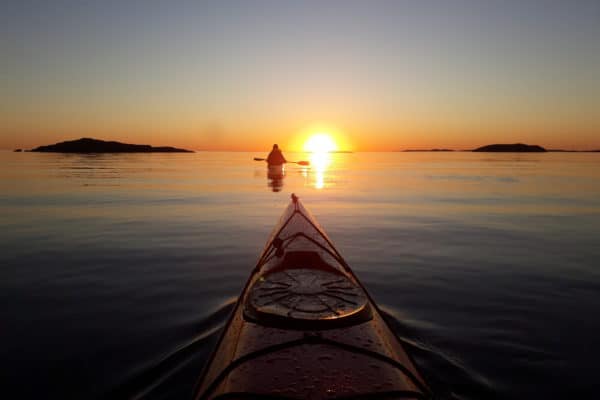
(304, 327)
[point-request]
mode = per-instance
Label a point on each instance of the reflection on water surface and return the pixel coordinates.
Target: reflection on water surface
(114, 269)
(320, 162)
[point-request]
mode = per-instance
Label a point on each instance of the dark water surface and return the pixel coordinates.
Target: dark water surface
(118, 271)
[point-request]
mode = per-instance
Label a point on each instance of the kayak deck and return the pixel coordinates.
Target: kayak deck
(305, 328)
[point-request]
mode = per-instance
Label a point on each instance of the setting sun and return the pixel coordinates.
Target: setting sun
(320, 143)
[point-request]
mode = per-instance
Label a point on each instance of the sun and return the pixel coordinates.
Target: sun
(320, 143)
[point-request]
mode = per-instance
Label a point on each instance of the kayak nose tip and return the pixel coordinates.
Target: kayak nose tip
(294, 198)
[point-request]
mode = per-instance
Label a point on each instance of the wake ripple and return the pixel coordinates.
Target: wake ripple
(449, 377)
(173, 375)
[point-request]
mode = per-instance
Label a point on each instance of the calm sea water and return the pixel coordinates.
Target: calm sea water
(118, 271)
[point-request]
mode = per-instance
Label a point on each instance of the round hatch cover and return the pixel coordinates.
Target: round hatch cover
(306, 295)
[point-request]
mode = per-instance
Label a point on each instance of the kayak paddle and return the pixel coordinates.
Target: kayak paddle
(289, 162)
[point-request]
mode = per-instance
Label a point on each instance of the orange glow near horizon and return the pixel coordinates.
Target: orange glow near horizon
(320, 143)
(298, 137)
(320, 137)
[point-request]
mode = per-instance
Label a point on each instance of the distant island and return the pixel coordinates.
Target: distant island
(511, 148)
(88, 145)
(415, 150)
(499, 148)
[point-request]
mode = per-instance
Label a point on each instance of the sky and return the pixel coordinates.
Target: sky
(242, 75)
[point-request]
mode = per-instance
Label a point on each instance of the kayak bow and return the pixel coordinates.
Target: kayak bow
(304, 327)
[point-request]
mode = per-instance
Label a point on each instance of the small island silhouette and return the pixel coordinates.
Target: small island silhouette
(425, 150)
(89, 145)
(511, 148)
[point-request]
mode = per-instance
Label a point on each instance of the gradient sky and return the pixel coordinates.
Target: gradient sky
(241, 75)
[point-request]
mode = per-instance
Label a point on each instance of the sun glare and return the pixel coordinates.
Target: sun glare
(320, 143)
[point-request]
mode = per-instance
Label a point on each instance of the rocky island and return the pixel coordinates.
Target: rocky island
(512, 148)
(88, 145)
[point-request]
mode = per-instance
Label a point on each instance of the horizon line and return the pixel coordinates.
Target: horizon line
(434, 150)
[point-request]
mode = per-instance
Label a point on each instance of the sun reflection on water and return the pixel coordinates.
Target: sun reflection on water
(320, 161)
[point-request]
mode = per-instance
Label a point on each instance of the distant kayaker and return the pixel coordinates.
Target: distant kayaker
(276, 157)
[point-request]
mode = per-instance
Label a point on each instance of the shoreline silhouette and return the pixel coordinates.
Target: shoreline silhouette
(89, 145)
(503, 148)
(418, 150)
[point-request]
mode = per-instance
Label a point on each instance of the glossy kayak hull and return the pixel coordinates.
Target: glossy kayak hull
(305, 328)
